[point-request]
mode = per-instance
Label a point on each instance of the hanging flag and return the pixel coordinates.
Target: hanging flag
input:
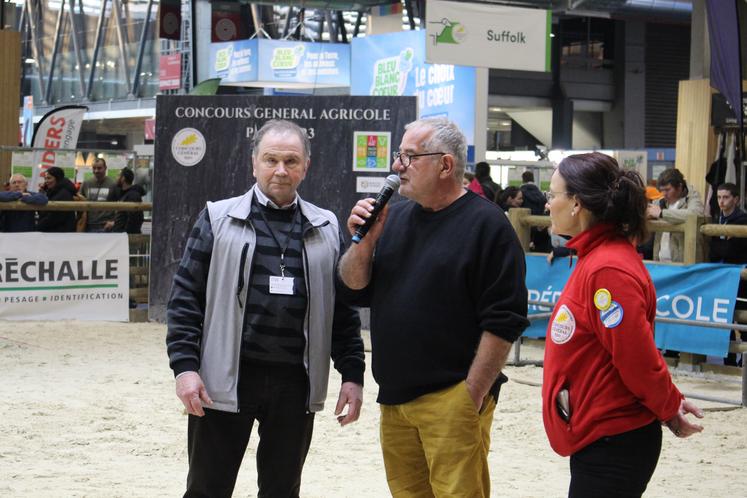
(57, 129)
(28, 120)
(170, 19)
(726, 64)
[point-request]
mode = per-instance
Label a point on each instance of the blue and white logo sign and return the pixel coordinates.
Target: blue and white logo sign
(234, 62)
(290, 64)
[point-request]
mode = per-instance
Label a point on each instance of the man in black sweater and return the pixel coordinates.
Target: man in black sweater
(731, 250)
(443, 274)
(127, 221)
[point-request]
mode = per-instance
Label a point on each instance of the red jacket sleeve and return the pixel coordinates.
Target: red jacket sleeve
(631, 341)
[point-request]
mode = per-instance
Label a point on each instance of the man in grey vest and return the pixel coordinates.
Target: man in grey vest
(253, 320)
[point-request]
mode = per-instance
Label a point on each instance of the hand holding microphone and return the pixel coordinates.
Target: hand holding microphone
(358, 223)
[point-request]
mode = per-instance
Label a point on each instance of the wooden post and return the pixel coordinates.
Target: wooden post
(10, 95)
(696, 140)
(693, 239)
(693, 254)
(516, 217)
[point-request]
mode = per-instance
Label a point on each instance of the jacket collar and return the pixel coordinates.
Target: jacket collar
(736, 214)
(242, 209)
(590, 238)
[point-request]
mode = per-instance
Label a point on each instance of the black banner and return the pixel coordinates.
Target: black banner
(203, 153)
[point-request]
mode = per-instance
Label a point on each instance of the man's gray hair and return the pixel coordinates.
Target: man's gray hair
(446, 137)
(19, 176)
(281, 126)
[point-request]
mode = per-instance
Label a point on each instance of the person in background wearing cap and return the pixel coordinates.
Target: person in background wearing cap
(679, 201)
(646, 248)
(606, 389)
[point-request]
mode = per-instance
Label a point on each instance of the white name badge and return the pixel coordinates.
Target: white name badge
(281, 285)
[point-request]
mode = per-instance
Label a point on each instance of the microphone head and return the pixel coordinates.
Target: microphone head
(392, 181)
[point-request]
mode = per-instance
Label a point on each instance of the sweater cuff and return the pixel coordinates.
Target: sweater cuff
(506, 334)
(352, 374)
(182, 366)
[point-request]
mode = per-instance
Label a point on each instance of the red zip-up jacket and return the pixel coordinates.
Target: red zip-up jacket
(602, 351)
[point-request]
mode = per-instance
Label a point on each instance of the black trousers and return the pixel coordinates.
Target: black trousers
(274, 396)
(617, 466)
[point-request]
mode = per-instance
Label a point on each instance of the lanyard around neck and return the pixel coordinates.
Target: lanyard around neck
(283, 247)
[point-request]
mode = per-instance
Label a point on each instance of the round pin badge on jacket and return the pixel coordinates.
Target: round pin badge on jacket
(602, 299)
(612, 316)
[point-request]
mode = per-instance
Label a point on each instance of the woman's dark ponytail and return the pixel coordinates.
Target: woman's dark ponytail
(611, 194)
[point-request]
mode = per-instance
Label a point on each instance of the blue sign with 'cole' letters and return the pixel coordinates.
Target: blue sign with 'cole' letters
(704, 292)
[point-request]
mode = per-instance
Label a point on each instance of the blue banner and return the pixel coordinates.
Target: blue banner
(394, 64)
(544, 283)
(704, 292)
(234, 62)
(318, 64)
(295, 63)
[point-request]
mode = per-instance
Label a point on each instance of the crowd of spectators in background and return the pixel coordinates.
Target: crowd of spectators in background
(670, 199)
(56, 187)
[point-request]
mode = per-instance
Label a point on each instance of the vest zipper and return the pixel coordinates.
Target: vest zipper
(242, 264)
(308, 320)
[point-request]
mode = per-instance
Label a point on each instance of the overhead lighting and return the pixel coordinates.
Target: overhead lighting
(495, 109)
(30, 60)
(587, 13)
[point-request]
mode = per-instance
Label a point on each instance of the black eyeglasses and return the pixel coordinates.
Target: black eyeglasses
(406, 159)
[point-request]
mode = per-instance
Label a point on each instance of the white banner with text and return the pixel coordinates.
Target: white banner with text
(494, 36)
(64, 276)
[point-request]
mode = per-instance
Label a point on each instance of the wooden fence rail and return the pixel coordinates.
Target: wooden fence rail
(77, 206)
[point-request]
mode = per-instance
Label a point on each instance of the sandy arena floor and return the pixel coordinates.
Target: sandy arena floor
(89, 410)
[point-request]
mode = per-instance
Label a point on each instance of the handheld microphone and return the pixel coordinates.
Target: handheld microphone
(391, 185)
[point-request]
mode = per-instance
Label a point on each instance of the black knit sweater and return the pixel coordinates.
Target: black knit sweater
(440, 279)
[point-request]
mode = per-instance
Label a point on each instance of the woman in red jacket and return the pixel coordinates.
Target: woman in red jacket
(606, 388)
